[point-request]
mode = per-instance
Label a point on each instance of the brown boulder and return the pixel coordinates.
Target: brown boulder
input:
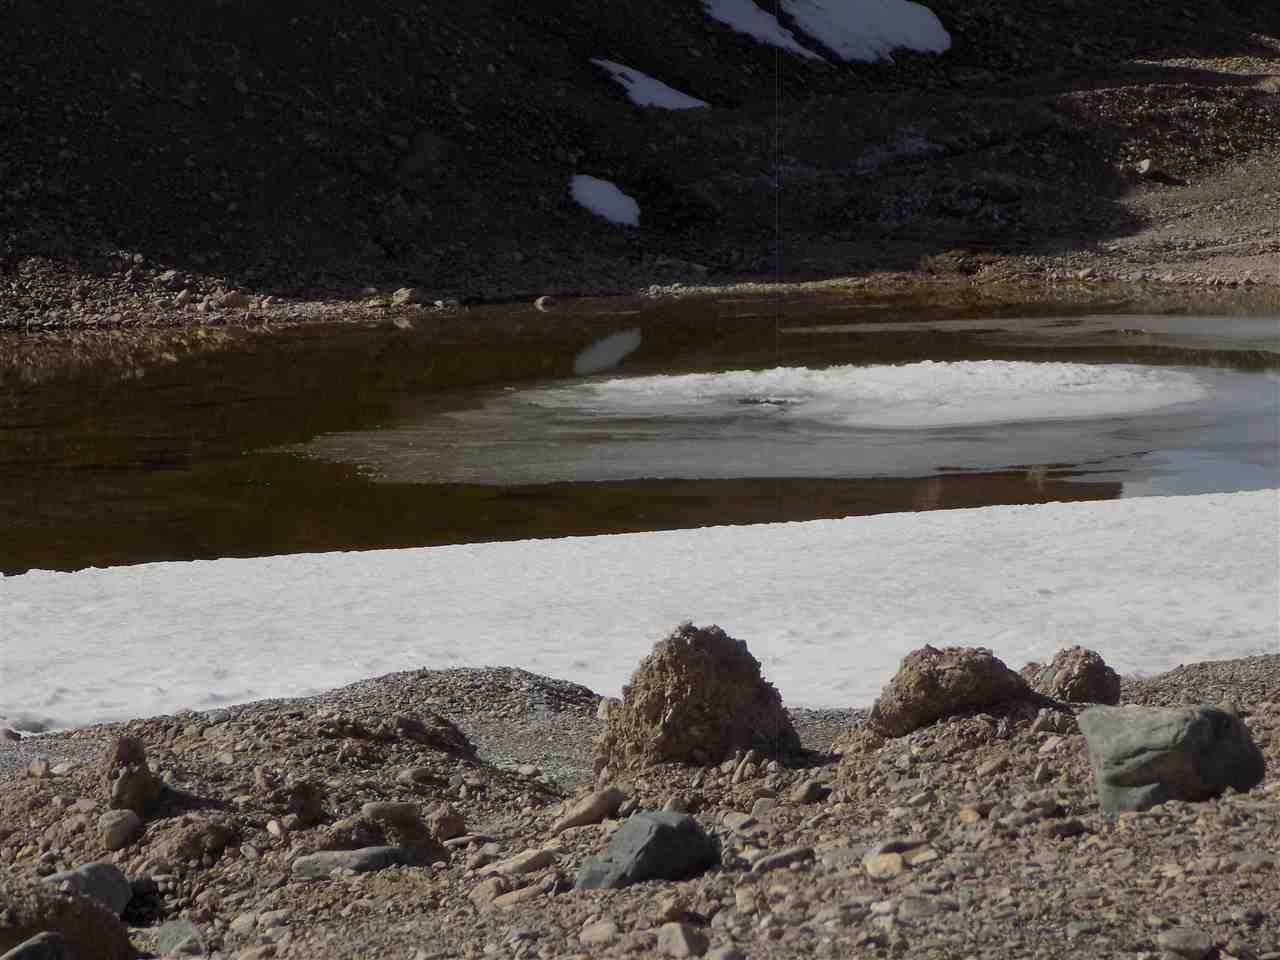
(932, 684)
(29, 906)
(698, 697)
(1077, 675)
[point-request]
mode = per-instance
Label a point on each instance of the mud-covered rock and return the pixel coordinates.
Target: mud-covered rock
(697, 698)
(1077, 675)
(932, 684)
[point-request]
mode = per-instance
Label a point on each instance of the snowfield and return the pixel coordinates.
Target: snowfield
(829, 607)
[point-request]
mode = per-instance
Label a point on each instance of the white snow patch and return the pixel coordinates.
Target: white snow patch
(745, 17)
(604, 199)
(927, 394)
(608, 352)
(869, 29)
(830, 607)
(647, 91)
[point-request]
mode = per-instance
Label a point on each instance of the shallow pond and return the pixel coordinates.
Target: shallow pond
(624, 415)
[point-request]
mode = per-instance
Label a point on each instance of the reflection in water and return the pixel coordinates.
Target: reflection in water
(184, 462)
(607, 353)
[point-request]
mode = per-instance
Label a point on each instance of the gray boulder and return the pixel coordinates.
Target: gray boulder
(650, 846)
(1142, 756)
(102, 881)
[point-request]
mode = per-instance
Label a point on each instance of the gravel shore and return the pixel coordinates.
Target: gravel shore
(1014, 859)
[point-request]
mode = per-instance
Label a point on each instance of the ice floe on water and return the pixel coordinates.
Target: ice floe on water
(604, 199)
(925, 395)
(646, 91)
(829, 607)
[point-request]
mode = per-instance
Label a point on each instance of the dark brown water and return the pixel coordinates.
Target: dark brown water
(242, 453)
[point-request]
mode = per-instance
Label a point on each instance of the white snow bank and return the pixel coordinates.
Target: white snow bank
(604, 199)
(829, 607)
(647, 91)
(745, 17)
(869, 29)
(927, 394)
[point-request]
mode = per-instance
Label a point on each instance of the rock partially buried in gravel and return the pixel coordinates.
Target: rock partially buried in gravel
(43, 946)
(180, 938)
(681, 940)
(592, 808)
(697, 698)
(31, 907)
(1142, 756)
(932, 684)
(318, 866)
(1077, 675)
(119, 828)
(104, 882)
(650, 846)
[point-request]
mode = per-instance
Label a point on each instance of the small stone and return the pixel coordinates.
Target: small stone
(598, 934)
(405, 296)
(119, 828)
(883, 866)
(783, 858)
(180, 938)
(1191, 943)
(445, 823)
(523, 894)
(592, 808)
(811, 790)
(276, 829)
(681, 940)
(319, 866)
(528, 861)
(232, 300)
(545, 303)
(38, 768)
(486, 891)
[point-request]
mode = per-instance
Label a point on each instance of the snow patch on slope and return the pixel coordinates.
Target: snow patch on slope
(604, 199)
(646, 91)
(869, 30)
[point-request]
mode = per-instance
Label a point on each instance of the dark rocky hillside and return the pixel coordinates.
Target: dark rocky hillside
(335, 145)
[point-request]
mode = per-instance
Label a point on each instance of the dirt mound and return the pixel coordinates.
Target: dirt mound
(1077, 675)
(698, 698)
(932, 684)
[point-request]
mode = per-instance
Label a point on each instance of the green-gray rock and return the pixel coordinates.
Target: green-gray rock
(1142, 756)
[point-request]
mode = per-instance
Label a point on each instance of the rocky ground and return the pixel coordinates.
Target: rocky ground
(979, 835)
(200, 174)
